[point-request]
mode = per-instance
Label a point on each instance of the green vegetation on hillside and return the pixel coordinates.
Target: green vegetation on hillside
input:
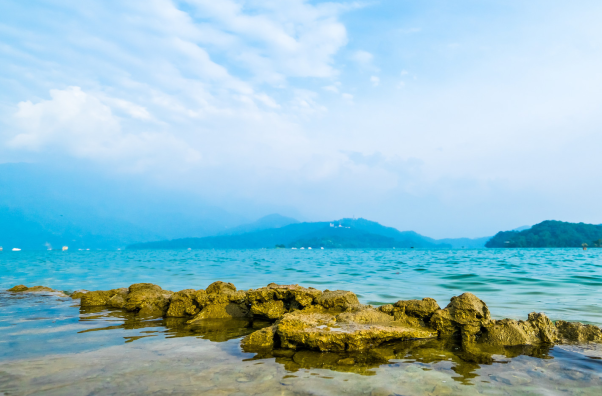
(550, 233)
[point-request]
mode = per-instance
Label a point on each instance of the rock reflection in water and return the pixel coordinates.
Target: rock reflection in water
(427, 352)
(216, 330)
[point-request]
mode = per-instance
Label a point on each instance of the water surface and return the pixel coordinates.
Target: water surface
(49, 345)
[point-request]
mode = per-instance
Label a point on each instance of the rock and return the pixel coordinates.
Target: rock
(578, 332)
(222, 311)
(338, 299)
(261, 339)
(346, 361)
(183, 303)
(118, 300)
(364, 315)
(97, 298)
(509, 332)
(323, 332)
(147, 299)
(18, 288)
(273, 301)
(78, 294)
(33, 289)
(548, 333)
(220, 287)
(465, 315)
(273, 309)
(422, 309)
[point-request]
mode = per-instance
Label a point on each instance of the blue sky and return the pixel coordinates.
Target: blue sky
(449, 118)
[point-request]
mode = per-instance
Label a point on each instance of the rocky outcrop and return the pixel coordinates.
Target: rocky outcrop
(578, 332)
(465, 316)
(220, 300)
(358, 329)
(294, 318)
(36, 289)
(273, 301)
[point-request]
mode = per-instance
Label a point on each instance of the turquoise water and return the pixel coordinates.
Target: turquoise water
(49, 345)
(563, 283)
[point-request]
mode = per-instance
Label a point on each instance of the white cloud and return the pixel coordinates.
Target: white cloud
(375, 81)
(84, 126)
(364, 58)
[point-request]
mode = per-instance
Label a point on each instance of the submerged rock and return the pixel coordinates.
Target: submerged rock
(260, 340)
(36, 289)
(578, 332)
(97, 298)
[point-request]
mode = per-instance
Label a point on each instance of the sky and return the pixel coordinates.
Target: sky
(451, 118)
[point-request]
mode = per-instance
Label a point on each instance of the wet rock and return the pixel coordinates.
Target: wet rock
(323, 332)
(18, 288)
(465, 315)
(78, 294)
(507, 332)
(118, 300)
(97, 298)
(578, 332)
(220, 287)
(33, 289)
(183, 303)
(273, 309)
(273, 301)
(222, 311)
(147, 299)
(547, 331)
(261, 339)
(364, 315)
(338, 299)
(422, 309)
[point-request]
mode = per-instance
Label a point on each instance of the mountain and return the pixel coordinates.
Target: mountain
(270, 221)
(342, 233)
(45, 207)
(549, 233)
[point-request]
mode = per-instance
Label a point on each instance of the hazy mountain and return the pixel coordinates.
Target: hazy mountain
(341, 233)
(270, 221)
(41, 206)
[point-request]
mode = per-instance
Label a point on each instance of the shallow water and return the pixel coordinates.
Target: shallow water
(48, 345)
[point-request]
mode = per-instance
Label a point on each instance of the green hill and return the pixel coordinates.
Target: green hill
(549, 233)
(344, 233)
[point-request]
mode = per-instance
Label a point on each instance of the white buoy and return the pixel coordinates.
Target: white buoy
(16, 250)
(309, 248)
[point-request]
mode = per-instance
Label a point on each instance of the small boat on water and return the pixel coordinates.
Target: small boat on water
(302, 248)
(309, 248)
(16, 250)
(65, 248)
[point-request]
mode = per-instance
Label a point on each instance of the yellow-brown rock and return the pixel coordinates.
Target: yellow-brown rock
(183, 303)
(221, 311)
(259, 340)
(119, 299)
(364, 315)
(97, 298)
(322, 331)
(465, 314)
(18, 288)
(78, 294)
(337, 299)
(273, 309)
(422, 309)
(147, 299)
(220, 287)
(578, 332)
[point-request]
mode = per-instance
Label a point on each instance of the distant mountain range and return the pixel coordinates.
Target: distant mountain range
(344, 233)
(549, 233)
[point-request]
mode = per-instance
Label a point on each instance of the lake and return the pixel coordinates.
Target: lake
(48, 345)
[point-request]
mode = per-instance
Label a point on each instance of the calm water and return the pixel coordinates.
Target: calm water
(49, 345)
